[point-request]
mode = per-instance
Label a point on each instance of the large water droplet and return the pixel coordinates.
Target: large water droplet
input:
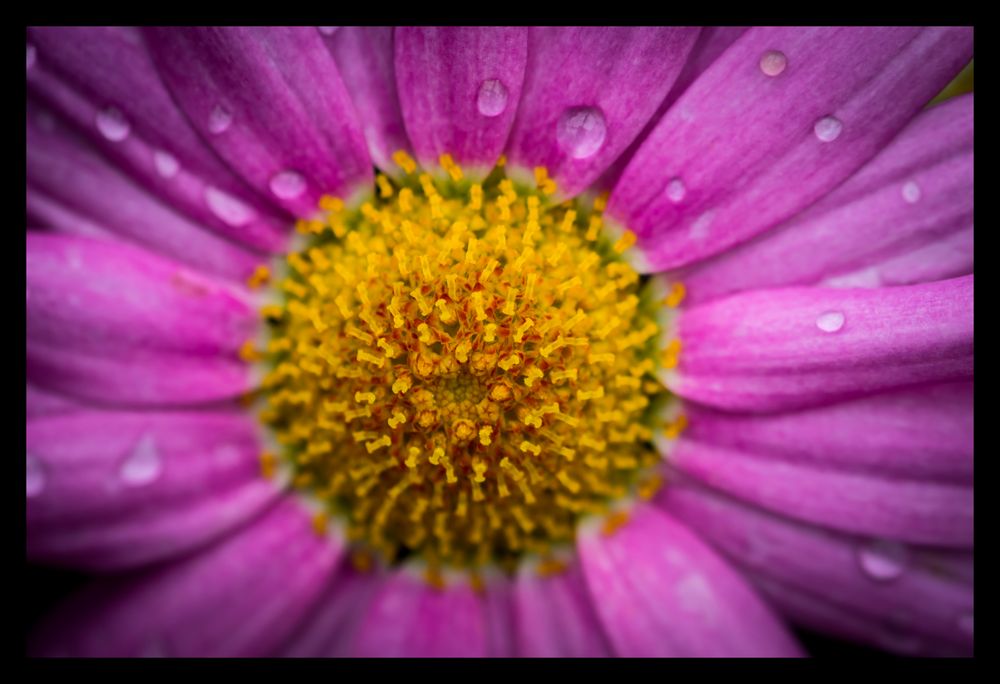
(883, 560)
(32, 55)
(965, 623)
(112, 124)
(911, 192)
(491, 99)
(227, 208)
(34, 476)
(165, 163)
(287, 184)
(581, 131)
(143, 464)
(328, 30)
(773, 62)
(219, 120)
(828, 129)
(676, 190)
(830, 321)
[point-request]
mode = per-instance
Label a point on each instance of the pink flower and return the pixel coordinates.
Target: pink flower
(811, 224)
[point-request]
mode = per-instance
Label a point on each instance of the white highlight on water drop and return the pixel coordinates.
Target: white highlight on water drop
(676, 190)
(219, 120)
(166, 164)
(34, 476)
(287, 184)
(911, 192)
(227, 208)
(112, 124)
(143, 464)
(491, 100)
(830, 322)
(883, 560)
(773, 62)
(828, 129)
(581, 131)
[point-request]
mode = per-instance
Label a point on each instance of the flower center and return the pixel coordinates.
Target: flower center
(462, 371)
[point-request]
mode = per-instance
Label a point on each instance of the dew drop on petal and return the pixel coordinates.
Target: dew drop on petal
(965, 623)
(699, 229)
(773, 62)
(676, 190)
(581, 131)
(911, 192)
(165, 163)
(830, 322)
(491, 99)
(32, 55)
(328, 30)
(143, 464)
(883, 560)
(227, 208)
(112, 124)
(219, 120)
(828, 129)
(287, 184)
(34, 476)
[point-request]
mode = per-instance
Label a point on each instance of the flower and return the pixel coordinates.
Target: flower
(811, 228)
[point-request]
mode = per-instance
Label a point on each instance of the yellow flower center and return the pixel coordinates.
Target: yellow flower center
(462, 371)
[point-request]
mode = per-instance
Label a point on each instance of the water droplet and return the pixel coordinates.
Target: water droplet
(676, 190)
(911, 192)
(773, 62)
(965, 623)
(219, 120)
(32, 55)
(166, 164)
(830, 322)
(492, 97)
(34, 476)
(581, 131)
(828, 129)
(112, 124)
(143, 464)
(227, 208)
(287, 184)
(699, 229)
(883, 560)
(328, 30)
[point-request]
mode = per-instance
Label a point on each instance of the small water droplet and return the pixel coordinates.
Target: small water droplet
(965, 623)
(219, 120)
(830, 322)
(112, 124)
(911, 192)
(676, 190)
(699, 229)
(166, 164)
(32, 55)
(143, 464)
(328, 30)
(883, 560)
(773, 62)
(287, 184)
(581, 131)
(227, 208)
(34, 476)
(828, 129)
(491, 99)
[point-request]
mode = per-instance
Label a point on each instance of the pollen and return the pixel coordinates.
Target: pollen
(463, 371)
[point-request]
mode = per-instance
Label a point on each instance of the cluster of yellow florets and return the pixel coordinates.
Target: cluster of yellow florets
(462, 370)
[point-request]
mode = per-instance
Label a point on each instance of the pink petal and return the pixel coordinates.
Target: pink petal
(883, 581)
(922, 433)
(88, 190)
(40, 402)
(750, 149)
(909, 510)
(614, 75)
(109, 490)
(660, 592)
(778, 349)
(242, 597)
(459, 88)
(271, 103)
(364, 56)
(913, 198)
(409, 618)
(555, 618)
(96, 75)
